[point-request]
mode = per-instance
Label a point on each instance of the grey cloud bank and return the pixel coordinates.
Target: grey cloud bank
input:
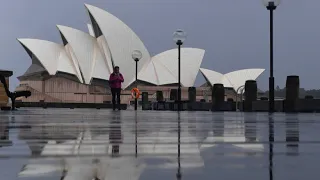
(235, 34)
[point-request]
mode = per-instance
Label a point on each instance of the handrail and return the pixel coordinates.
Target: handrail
(241, 87)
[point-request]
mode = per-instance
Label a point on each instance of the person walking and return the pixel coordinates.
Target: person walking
(115, 81)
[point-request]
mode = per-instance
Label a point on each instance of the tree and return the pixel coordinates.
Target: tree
(281, 93)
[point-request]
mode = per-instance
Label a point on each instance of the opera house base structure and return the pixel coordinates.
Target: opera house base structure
(78, 69)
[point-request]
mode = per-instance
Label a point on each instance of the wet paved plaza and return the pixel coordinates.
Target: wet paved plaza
(80, 144)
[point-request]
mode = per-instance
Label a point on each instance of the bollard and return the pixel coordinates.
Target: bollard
(250, 127)
(292, 93)
(292, 130)
(217, 97)
(174, 94)
(218, 124)
(145, 100)
(292, 134)
(192, 92)
(250, 94)
(159, 96)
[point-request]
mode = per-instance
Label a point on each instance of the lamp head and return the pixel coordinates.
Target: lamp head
(136, 55)
(271, 4)
(179, 36)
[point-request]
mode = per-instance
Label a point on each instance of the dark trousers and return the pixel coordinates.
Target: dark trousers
(115, 93)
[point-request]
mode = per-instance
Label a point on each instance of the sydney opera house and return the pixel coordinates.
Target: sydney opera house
(78, 69)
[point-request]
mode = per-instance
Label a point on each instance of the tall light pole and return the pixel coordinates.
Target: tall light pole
(271, 6)
(136, 56)
(179, 37)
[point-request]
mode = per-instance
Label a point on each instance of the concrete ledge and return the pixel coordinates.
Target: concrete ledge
(5, 143)
(193, 106)
(303, 105)
(263, 106)
(308, 105)
(147, 106)
(5, 108)
(200, 106)
(68, 105)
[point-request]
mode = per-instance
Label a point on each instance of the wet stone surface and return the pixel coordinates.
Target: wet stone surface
(83, 144)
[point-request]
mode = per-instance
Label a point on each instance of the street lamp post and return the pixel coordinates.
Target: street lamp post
(136, 56)
(179, 37)
(179, 175)
(271, 6)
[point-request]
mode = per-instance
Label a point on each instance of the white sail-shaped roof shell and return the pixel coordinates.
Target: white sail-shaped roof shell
(87, 52)
(105, 51)
(234, 79)
(163, 68)
(239, 78)
(109, 43)
(122, 41)
(90, 29)
(149, 74)
(52, 56)
(212, 77)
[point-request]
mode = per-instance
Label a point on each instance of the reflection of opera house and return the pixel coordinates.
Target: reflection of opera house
(78, 69)
(159, 143)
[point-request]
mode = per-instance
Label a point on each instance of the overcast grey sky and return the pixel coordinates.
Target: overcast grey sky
(234, 33)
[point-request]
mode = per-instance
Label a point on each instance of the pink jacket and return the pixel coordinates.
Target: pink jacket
(115, 81)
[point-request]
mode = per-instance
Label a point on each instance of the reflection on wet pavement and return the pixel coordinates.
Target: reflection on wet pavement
(86, 144)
